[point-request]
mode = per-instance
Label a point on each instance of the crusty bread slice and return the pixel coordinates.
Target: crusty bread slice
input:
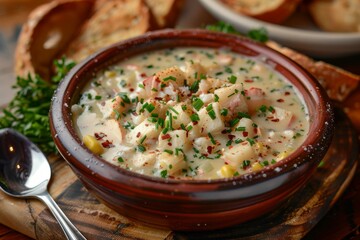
(166, 12)
(49, 28)
(112, 21)
(275, 11)
(337, 82)
(336, 15)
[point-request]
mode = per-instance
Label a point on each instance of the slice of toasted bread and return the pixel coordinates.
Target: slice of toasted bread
(166, 12)
(275, 11)
(49, 28)
(336, 15)
(337, 82)
(113, 21)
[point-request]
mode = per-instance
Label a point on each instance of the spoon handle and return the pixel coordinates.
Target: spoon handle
(70, 231)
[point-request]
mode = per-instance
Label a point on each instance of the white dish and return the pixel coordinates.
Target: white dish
(299, 32)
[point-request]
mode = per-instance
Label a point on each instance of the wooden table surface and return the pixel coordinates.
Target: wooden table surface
(341, 222)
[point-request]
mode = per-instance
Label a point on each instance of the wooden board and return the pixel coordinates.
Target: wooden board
(293, 220)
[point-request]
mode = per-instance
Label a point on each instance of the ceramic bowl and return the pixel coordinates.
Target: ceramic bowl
(191, 204)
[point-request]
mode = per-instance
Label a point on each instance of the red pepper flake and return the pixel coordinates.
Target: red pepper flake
(249, 80)
(158, 98)
(280, 100)
(209, 149)
(255, 130)
(100, 135)
(279, 141)
(195, 123)
(166, 136)
(287, 93)
(169, 144)
(230, 147)
(231, 137)
(143, 75)
(245, 134)
(138, 134)
(131, 89)
(275, 120)
(107, 144)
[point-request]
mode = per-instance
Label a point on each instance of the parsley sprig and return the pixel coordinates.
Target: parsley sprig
(28, 111)
(258, 34)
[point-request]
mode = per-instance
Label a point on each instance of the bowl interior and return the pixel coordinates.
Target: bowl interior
(84, 161)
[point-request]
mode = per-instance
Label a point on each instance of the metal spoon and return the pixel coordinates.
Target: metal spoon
(25, 172)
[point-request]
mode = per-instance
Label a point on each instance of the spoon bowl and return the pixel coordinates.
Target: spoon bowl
(25, 172)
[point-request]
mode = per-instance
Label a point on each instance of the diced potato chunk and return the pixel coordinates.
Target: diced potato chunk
(174, 139)
(238, 153)
(194, 131)
(145, 128)
(172, 75)
(144, 160)
(244, 129)
(209, 85)
(231, 98)
(181, 118)
(279, 120)
(202, 144)
(209, 125)
(194, 71)
(171, 163)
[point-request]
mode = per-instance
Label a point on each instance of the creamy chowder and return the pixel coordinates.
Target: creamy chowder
(191, 113)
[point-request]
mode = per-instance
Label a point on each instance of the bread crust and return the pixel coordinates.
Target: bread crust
(112, 21)
(166, 12)
(44, 35)
(273, 13)
(338, 83)
(336, 15)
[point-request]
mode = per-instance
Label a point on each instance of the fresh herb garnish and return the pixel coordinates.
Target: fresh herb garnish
(28, 110)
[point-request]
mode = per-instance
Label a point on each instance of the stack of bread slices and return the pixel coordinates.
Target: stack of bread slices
(78, 28)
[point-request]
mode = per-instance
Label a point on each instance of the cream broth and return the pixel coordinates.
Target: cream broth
(193, 113)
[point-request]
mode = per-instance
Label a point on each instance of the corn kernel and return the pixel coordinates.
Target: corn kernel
(282, 155)
(92, 144)
(256, 167)
(110, 74)
(259, 147)
(227, 171)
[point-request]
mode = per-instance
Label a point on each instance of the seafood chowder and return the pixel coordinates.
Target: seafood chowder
(191, 113)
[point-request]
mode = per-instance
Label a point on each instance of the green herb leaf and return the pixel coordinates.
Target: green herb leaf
(28, 111)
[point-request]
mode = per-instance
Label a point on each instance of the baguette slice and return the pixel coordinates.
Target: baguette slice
(112, 21)
(336, 15)
(166, 12)
(274, 11)
(337, 82)
(46, 33)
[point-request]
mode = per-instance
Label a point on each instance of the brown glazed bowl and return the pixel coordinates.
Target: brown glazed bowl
(191, 204)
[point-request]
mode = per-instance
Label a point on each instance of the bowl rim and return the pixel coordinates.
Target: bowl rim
(62, 131)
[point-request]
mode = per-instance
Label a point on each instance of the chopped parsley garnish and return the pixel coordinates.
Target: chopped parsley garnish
(245, 163)
(232, 79)
(195, 86)
(28, 111)
(251, 141)
(197, 104)
(124, 97)
(141, 148)
(120, 159)
(163, 173)
(194, 117)
(170, 78)
(171, 152)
